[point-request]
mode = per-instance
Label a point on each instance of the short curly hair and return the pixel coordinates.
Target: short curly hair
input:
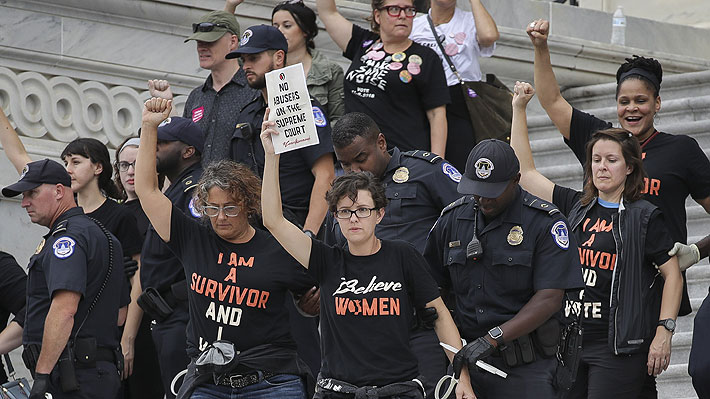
(649, 65)
(236, 179)
(349, 184)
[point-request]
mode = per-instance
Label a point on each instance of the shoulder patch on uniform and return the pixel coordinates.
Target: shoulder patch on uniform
(319, 117)
(461, 201)
(560, 234)
(63, 247)
(451, 171)
(193, 209)
(425, 155)
(537, 203)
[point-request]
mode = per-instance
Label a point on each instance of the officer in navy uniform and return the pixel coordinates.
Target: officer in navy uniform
(74, 287)
(180, 144)
(418, 185)
(509, 259)
(306, 173)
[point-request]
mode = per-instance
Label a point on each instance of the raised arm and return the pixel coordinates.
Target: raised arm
(486, 29)
(338, 27)
(530, 179)
(294, 241)
(14, 149)
(154, 203)
(548, 91)
(231, 5)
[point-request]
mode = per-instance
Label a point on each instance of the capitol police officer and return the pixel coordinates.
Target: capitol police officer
(509, 259)
(164, 298)
(74, 285)
(418, 185)
(306, 173)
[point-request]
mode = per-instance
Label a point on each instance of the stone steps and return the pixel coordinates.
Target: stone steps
(685, 110)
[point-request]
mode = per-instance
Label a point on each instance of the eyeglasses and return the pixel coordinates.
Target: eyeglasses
(361, 213)
(395, 11)
(229, 210)
(207, 27)
(123, 165)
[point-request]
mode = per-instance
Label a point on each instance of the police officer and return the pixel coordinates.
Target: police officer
(180, 145)
(306, 174)
(418, 185)
(509, 259)
(74, 286)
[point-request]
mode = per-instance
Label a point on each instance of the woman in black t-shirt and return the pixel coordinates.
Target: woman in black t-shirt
(238, 276)
(399, 83)
(622, 238)
(369, 289)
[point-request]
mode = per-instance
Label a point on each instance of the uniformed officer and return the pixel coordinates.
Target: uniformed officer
(418, 185)
(306, 173)
(180, 145)
(509, 259)
(71, 337)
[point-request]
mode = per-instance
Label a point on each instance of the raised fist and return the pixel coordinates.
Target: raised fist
(156, 110)
(160, 89)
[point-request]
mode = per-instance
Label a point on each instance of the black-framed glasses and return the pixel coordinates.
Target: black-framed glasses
(207, 27)
(395, 11)
(361, 213)
(229, 210)
(123, 165)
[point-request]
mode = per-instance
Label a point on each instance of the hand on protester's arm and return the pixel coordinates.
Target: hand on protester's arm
(486, 29)
(530, 179)
(309, 303)
(11, 144)
(438, 130)
(688, 255)
(548, 91)
(659, 354)
(230, 6)
(447, 333)
(155, 204)
(338, 27)
(294, 241)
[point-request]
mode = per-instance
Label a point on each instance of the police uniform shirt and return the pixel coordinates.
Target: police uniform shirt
(527, 248)
(295, 176)
(236, 292)
(366, 311)
(159, 266)
(217, 113)
(418, 185)
(74, 256)
(396, 90)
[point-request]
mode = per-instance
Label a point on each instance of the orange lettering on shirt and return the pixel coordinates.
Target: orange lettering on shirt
(232, 276)
(590, 241)
(233, 259)
(247, 263)
(211, 288)
(219, 258)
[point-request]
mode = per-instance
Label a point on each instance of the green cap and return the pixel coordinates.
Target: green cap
(226, 23)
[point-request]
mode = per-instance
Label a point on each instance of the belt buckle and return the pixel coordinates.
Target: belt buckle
(236, 381)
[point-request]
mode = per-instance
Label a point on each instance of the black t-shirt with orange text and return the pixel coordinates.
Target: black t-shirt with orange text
(236, 292)
(366, 311)
(597, 254)
(675, 164)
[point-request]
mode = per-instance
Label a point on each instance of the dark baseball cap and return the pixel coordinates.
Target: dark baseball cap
(182, 129)
(213, 26)
(260, 38)
(490, 166)
(37, 173)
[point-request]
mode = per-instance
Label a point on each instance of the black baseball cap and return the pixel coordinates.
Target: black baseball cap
(37, 173)
(260, 38)
(182, 129)
(490, 166)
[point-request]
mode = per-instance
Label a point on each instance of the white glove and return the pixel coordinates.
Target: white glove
(688, 255)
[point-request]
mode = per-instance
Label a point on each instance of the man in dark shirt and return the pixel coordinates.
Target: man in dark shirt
(214, 106)
(73, 291)
(180, 143)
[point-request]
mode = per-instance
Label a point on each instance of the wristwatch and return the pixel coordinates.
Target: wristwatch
(669, 324)
(309, 233)
(497, 334)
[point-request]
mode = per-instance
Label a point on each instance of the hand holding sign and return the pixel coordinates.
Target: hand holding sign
(267, 129)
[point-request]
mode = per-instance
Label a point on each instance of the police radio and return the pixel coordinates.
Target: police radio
(474, 249)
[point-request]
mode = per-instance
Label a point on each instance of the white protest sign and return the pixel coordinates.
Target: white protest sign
(291, 109)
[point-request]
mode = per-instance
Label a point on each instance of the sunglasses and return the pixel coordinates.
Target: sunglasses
(396, 11)
(207, 27)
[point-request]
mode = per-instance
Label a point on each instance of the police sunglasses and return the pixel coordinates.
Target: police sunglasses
(207, 27)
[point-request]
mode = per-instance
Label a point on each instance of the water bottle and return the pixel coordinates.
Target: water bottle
(618, 27)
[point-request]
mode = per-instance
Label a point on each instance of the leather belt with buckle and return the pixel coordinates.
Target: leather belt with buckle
(244, 380)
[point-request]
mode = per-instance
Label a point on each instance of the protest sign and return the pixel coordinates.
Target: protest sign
(291, 109)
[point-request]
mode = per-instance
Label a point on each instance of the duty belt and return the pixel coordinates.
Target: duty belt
(372, 392)
(243, 380)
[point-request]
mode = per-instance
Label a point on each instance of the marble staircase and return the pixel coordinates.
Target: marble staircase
(685, 110)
